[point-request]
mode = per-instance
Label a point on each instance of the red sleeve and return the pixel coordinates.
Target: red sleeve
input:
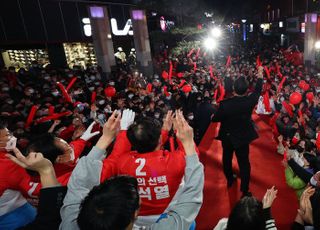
(164, 136)
(67, 133)
(180, 147)
(121, 145)
(78, 146)
(20, 180)
(109, 169)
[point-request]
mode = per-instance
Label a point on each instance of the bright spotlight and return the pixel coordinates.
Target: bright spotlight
(210, 43)
(317, 45)
(216, 32)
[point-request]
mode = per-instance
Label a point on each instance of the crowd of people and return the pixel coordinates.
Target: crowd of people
(83, 129)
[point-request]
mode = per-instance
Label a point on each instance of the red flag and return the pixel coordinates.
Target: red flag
(149, 87)
(165, 91)
(221, 92)
(71, 83)
(301, 117)
(190, 52)
(228, 61)
(165, 75)
(64, 92)
(267, 71)
(318, 141)
(281, 84)
(266, 102)
(288, 108)
(194, 66)
(55, 116)
(215, 94)
(198, 53)
(182, 83)
(31, 115)
(210, 70)
(93, 97)
(258, 62)
(170, 70)
(51, 110)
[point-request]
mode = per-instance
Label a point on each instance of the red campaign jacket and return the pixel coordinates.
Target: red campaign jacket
(78, 147)
(158, 173)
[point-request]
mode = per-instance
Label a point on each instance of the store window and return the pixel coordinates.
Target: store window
(80, 54)
(24, 58)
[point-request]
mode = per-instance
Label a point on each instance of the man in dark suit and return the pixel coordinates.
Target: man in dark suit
(237, 129)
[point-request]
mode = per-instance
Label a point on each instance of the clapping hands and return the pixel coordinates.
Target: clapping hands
(269, 197)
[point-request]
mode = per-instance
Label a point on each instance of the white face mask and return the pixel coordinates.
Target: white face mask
(101, 102)
(130, 96)
(91, 89)
(190, 117)
(55, 93)
(157, 115)
(11, 144)
(101, 116)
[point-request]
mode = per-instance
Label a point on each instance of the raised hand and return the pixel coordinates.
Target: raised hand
(305, 210)
(110, 130)
(127, 119)
(168, 121)
(34, 161)
(87, 135)
(269, 197)
(184, 133)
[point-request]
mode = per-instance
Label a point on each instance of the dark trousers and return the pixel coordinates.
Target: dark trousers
(242, 154)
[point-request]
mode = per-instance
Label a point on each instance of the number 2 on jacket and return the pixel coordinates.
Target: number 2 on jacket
(142, 163)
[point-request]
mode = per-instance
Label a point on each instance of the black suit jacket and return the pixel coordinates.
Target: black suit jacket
(235, 117)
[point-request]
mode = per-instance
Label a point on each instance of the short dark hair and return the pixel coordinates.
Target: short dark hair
(247, 214)
(240, 86)
(3, 124)
(110, 205)
(45, 144)
(144, 134)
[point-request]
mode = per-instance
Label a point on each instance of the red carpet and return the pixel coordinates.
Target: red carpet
(266, 171)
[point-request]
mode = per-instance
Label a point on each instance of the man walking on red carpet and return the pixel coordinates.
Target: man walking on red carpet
(237, 129)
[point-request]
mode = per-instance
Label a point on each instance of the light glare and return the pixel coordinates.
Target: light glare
(216, 32)
(210, 43)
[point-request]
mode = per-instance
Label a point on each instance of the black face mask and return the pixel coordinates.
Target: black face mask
(300, 149)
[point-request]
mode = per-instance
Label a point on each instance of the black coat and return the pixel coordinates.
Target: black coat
(235, 117)
(50, 202)
(202, 118)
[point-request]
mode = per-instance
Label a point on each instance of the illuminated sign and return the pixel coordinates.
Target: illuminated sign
(127, 30)
(96, 12)
(303, 27)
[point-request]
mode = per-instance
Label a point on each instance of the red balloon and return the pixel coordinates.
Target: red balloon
(302, 83)
(165, 75)
(186, 88)
(295, 98)
(149, 87)
(306, 87)
(180, 75)
(310, 96)
(110, 91)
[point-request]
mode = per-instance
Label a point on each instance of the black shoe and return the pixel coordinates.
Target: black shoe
(230, 182)
(247, 193)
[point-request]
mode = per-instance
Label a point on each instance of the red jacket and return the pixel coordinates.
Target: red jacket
(158, 173)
